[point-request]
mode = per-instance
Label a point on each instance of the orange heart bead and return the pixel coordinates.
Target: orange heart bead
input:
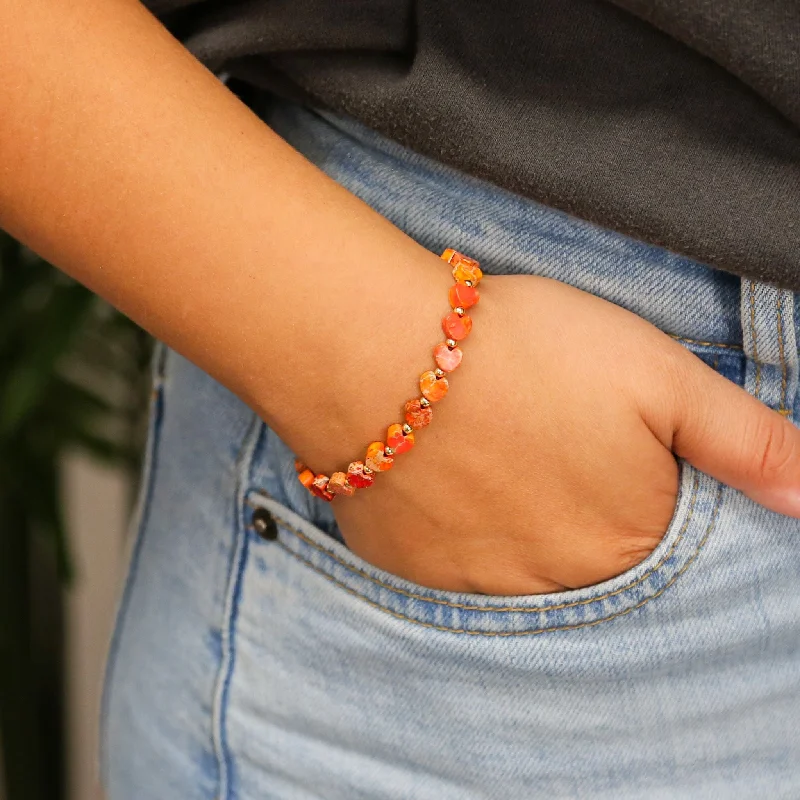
(417, 415)
(462, 295)
(464, 267)
(447, 359)
(467, 270)
(433, 388)
(306, 478)
(377, 459)
(399, 442)
(456, 327)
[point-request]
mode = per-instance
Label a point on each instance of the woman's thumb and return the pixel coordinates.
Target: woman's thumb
(723, 431)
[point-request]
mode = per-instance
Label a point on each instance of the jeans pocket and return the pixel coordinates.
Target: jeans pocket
(693, 520)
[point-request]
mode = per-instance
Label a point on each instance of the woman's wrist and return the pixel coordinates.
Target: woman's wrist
(417, 412)
(346, 389)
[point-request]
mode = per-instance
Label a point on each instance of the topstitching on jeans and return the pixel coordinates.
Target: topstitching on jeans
(782, 407)
(781, 353)
(529, 632)
(502, 609)
(757, 390)
(230, 615)
(689, 340)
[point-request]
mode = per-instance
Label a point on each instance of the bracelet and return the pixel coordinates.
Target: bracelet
(417, 412)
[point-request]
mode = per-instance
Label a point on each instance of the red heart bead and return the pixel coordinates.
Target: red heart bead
(417, 415)
(456, 327)
(357, 477)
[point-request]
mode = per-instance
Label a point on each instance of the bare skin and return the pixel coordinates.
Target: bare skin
(128, 165)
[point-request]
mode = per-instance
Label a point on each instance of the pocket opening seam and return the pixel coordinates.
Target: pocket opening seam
(289, 527)
(472, 632)
(689, 340)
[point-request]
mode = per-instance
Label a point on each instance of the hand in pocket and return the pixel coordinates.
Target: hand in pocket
(550, 463)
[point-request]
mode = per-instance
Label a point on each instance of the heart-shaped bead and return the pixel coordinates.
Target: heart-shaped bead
(462, 295)
(377, 459)
(357, 477)
(446, 358)
(399, 442)
(306, 477)
(417, 415)
(319, 488)
(433, 388)
(456, 327)
(338, 485)
(464, 267)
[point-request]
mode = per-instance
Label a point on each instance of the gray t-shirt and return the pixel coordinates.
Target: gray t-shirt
(673, 121)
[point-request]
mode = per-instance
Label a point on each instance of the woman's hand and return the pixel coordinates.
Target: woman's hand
(550, 463)
(131, 167)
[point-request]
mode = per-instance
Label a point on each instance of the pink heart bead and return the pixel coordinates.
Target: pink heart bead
(446, 358)
(338, 485)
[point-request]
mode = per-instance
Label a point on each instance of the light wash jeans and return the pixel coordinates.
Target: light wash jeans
(270, 662)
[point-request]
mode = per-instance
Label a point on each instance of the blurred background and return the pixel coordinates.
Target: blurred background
(74, 382)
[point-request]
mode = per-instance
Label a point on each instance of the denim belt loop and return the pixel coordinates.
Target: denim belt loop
(770, 344)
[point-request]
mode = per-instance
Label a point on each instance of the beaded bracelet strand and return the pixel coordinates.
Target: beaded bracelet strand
(417, 412)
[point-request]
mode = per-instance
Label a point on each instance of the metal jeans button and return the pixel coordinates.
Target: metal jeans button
(264, 524)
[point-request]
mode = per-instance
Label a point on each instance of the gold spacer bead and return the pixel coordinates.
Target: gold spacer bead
(367, 470)
(407, 429)
(451, 343)
(424, 402)
(388, 451)
(460, 311)
(440, 373)
(467, 283)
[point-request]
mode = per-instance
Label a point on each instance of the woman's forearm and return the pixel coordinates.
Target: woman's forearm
(127, 164)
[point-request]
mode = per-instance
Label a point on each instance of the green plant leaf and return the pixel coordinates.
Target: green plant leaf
(23, 388)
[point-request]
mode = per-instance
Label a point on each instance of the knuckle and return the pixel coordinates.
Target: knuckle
(776, 449)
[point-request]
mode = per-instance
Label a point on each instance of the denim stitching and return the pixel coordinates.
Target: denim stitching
(757, 391)
(230, 616)
(782, 354)
(533, 631)
(500, 609)
(706, 344)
